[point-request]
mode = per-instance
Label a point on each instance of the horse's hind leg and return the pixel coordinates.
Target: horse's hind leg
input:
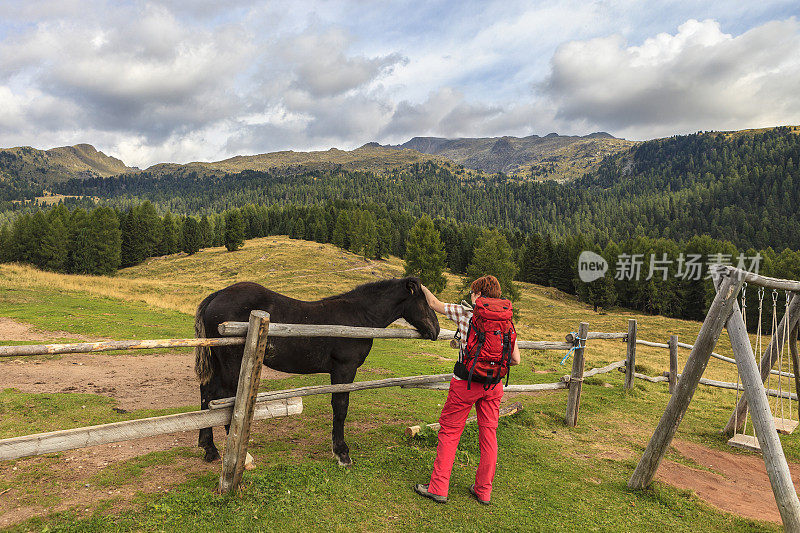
(206, 437)
(340, 401)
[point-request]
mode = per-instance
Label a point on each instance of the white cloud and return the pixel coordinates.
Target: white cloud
(164, 80)
(322, 68)
(697, 79)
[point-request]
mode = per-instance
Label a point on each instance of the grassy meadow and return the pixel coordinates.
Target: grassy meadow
(549, 477)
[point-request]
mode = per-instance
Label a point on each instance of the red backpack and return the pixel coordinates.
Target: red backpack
(490, 340)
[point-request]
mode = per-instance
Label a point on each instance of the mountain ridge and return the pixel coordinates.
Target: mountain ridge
(553, 156)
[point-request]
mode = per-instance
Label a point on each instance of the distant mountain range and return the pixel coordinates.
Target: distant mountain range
(60, 163)
(550, 157)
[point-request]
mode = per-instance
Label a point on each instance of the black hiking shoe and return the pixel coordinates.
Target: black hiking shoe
(422, 490)
(475, 495)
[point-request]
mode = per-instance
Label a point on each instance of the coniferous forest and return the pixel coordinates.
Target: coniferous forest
(711, 195)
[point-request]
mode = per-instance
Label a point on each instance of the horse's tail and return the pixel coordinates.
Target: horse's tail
(202, 354)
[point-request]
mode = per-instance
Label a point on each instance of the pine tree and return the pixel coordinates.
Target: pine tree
(340, 230)
(152, 228)
(425, 255)
(494, 256)
(543, 263)
(190, 236)
(78, 242)
(5, 244)
(234, 230)
(384, 241)
(48, 247)
(527, 268)
(170, 237)
(54, 246)
(135, 241)
(104, 242)
(22, 239)
(206, 233)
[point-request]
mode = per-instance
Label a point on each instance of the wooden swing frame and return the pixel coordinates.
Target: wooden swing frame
(725, 313)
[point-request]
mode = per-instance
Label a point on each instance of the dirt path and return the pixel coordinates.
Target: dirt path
(134, 381)
(41, 485)
(736, 483)
(12, 330)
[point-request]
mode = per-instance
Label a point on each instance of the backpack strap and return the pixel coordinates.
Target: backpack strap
(507, 351)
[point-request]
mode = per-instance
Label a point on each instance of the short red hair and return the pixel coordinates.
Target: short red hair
(488, 286)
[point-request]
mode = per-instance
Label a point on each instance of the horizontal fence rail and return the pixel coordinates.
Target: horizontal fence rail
(434, 382)
(227, 329)
(715, 355)
(223, 403)
(70, 439)
(234, 332)
(107, 346)
(599, 335)
(718, 384)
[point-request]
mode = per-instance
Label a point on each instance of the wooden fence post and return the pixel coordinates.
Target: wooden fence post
(576, 378)
(673, 363)
(246, 391)
(715, 320)
(630, 358)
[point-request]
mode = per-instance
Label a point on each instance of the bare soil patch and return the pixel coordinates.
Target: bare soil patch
(12, 330)
(135, 381)
(735, 483)
(41, 485)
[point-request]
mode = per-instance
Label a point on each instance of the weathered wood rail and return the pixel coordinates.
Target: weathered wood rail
(107, 346)
(71, 439)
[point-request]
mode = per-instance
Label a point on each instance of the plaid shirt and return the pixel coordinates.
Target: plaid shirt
(461, 316)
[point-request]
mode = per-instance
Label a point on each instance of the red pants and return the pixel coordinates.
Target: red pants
(453, 417)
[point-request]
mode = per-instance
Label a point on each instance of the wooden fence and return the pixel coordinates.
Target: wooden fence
(672, 375)
(247, 405)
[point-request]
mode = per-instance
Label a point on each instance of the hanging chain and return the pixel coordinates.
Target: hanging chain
(744, 317)
(759, 344)
(774, 345)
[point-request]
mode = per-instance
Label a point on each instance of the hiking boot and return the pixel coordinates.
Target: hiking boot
(422, 490)
(475, 495)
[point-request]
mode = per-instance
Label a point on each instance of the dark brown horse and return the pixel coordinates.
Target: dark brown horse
(375, 304)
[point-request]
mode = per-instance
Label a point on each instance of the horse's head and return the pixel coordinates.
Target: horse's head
(416, 310)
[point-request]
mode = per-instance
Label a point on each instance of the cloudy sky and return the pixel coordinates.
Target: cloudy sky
(174, 80)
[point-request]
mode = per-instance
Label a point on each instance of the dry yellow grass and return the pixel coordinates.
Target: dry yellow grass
(301, 269)
(309, 271)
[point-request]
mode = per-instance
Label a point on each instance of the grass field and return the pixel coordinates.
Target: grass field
(549, 478)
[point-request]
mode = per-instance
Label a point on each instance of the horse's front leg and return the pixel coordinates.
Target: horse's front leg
(340, 401)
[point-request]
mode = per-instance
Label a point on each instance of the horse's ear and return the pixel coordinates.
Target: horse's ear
(413, 286)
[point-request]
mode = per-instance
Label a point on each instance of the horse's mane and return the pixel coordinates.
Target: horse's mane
(370, 290)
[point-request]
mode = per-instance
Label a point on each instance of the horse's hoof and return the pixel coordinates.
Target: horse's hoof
(211, 456)
(344, 460)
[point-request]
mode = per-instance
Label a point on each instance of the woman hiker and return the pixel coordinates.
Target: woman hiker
(463, 393)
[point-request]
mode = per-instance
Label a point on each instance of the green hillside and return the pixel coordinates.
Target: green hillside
(26, 172)
(550, 477)
(370, 157)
